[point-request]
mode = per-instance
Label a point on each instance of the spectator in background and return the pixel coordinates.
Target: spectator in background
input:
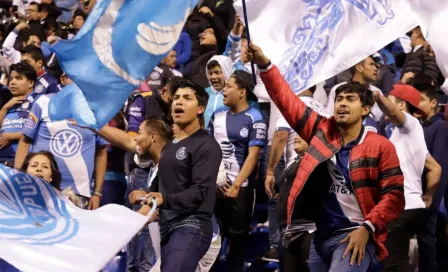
(170, 61)
(79, 18)
(21, 6)
(409, 141)
(12, 117)
(386, 70)
(8, 46)
(436, 138)
(241, 132)
(212, 42)
(159, 77)
(49, 12)
(68, 8)
(45, 84)
(43, 164)
(219, 70)
(365, 72)
(33, 13)
(223, 9)
(419, 61)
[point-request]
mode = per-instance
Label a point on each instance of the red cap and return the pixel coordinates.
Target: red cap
(409, 94)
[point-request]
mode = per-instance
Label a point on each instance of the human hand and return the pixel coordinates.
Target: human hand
(357, 241)
(255, 54)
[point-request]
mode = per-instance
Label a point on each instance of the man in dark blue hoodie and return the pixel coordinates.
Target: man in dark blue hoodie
(436, 137)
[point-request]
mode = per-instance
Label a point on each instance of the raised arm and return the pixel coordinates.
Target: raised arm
(396, 116)
(300, 117)
(118, 138)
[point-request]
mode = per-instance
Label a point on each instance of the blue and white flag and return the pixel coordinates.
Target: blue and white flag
(41, 231)
(313, 40)
(116, 49)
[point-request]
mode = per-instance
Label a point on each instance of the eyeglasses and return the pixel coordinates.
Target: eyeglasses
(207, 32)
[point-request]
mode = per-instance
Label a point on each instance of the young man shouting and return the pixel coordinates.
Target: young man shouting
(349, 181)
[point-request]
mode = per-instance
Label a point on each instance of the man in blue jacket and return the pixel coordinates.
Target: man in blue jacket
(436, 137)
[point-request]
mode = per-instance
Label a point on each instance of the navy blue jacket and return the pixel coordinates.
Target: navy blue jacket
(436, 137)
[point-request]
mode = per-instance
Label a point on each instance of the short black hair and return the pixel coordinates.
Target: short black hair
(35, 4)
(312, 89)
(212, 64)
(200, 93)
(35, 52)
(353, 68)
(421, 79)
(365, 95)
(244, 80)
(81, 13)
(429, 90)
(56, 176)
(173, 81)
(158, 125)
(25, 69)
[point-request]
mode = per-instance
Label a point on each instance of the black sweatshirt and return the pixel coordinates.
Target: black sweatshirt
(187, 181)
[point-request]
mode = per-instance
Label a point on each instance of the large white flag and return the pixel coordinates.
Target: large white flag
(313, 40)
(41, 231)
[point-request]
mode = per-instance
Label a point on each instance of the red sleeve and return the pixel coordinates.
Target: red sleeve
(300, 117)
(391, 181)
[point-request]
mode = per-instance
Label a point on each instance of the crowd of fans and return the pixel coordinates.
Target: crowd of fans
(261, 153)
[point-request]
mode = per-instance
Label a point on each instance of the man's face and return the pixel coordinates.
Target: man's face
(216, 78)
(232, 93)
(300, 146)
(19, 85)
(165, 94)
(243, 47)
(33, 13)
(143, 141)
(348, 109)
(427, 105)
(416, 35)
(185, 108)
(401, 105)
(207, 37)
(34, 40)
(37, 65)
(78, 22)
(170, 59)
(369, 70)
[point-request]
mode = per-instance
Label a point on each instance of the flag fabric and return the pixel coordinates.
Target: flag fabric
(432, 16)
(41, 231)
(313, 40)
(116, 49)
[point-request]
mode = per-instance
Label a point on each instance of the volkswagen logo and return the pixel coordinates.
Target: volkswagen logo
(66, 143)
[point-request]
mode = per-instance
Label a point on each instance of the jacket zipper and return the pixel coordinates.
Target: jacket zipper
(351, 182)
(294, 202)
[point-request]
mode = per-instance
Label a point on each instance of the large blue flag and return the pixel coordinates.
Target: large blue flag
(118, 46)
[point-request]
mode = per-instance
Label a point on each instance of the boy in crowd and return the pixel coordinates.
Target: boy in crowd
(14, 113)
(241, 132)
(349, 181)
(218, 70)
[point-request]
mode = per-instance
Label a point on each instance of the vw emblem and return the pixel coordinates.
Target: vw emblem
(66, 143)
(32, 212)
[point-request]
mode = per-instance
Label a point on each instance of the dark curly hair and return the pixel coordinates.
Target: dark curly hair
(56, 176)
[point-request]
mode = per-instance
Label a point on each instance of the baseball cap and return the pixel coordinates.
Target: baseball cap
(247, 82)
(409, 94)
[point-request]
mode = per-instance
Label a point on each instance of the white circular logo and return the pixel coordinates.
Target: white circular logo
(155, 75)
(39, 89)
(25, 105)
(181, 153)
(66, 143)
(244, 132)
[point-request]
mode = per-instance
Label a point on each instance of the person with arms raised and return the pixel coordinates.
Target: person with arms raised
(349, 181)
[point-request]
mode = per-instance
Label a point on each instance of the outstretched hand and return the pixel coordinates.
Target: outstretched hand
(255, 54)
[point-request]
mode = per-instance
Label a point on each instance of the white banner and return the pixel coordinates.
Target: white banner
(313, 40)
(41, 231)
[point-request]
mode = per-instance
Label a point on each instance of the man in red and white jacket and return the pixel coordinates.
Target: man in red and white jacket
(349, 181)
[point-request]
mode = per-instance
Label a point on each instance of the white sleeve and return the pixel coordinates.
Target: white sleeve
(8, 47)
(410, 123)
(282, 124)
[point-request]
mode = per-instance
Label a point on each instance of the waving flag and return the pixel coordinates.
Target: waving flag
(41, 231)
(118, 46)
(313, 40)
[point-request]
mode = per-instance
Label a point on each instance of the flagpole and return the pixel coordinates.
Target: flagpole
(246, 23)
